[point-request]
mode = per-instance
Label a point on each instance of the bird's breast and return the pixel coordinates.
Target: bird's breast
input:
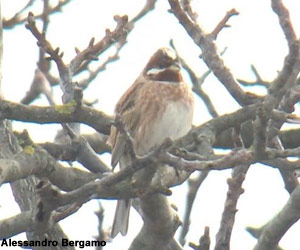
(174, 121)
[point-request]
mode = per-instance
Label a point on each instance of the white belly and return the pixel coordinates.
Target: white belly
(174, 123)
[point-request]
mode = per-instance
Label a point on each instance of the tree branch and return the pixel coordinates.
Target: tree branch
(210, 55)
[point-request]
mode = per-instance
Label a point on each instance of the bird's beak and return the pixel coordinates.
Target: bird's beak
(175, 67)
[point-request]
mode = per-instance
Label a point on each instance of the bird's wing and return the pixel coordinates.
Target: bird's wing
(127, 109)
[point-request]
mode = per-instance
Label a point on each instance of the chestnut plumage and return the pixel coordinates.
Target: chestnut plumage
(158, 105)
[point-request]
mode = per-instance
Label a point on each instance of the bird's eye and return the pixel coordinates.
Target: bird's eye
(161, 66)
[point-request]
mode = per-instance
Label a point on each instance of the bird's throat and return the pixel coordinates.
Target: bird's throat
(166, 75)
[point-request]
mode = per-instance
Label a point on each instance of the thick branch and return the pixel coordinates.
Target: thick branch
(160, 223)
(279, 225)
(58, 114)
(38, 162)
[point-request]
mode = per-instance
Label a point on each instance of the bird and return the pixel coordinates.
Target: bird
(158, 105)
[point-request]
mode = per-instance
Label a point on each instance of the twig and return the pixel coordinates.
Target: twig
(258, 82)
(197, 83)
(204, 242)
(67, 151)
(186, 4)
(103, 235)
(19, 19)
(210, 55)
(10, 23)
(223, 23)
(194, 185)
(94, 73)
(47, 47)
(39, 85)
(149, 5)
(93, 50)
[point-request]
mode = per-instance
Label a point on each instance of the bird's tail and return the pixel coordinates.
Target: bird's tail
(120, 224)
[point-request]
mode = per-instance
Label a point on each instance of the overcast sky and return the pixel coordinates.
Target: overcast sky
(254, 38)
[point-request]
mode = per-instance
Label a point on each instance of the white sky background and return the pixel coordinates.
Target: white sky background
(254, 38)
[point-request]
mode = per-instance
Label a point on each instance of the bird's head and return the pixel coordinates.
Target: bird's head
(163, 66)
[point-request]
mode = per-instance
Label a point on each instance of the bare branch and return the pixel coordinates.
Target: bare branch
(259, 81)
(223, 23)
(204, 242)
(19, 18)
(278, 226)
(210, 55)
(46, 46)
(93, 50)
(235, 189)
(197, 84)
(194, 185)
(58, 114)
